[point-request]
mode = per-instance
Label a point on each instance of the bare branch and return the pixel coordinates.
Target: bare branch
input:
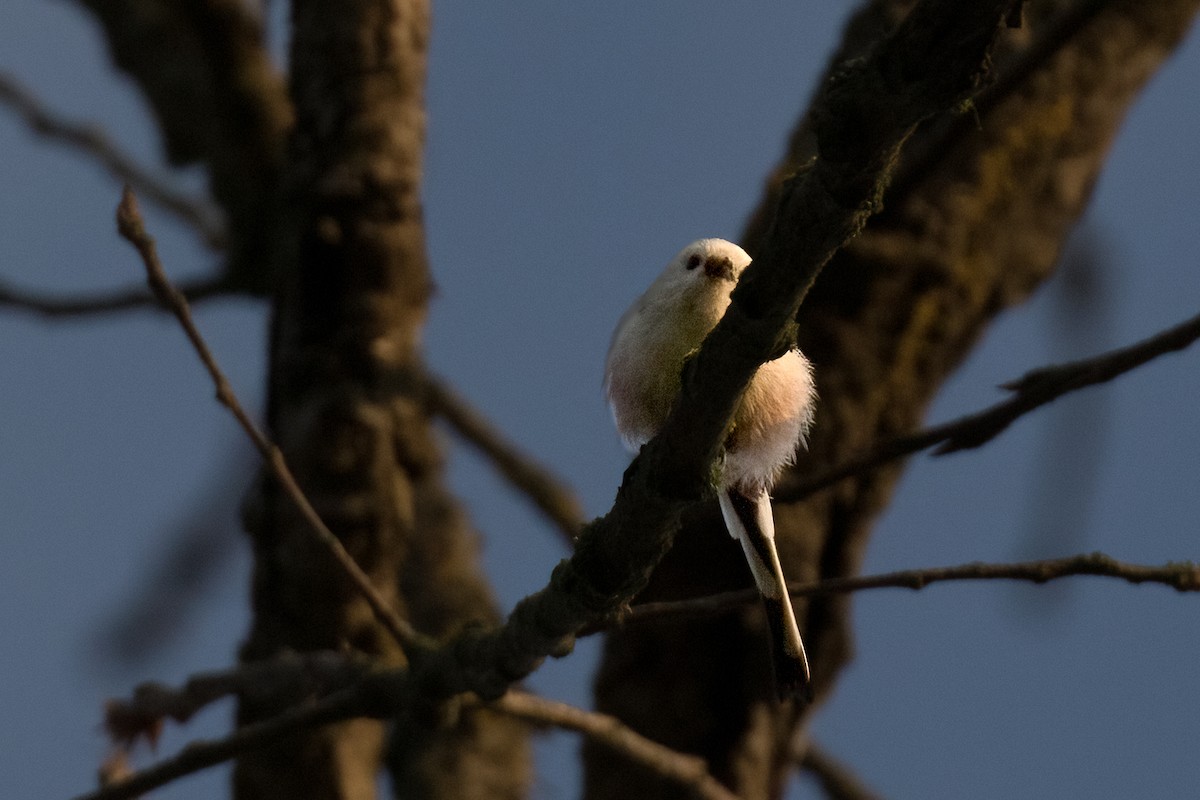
(57, 306)
(357, 691)
(203, 754)
(837, 779)
(131, 227)
(1183, 576)
(688, 770)
(1035, 389)
(554, 498)
(294, 676)
(349, 689)
(199, 214)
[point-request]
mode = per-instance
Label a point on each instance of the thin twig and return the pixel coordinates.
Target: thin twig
(688, 770)
(50, 305)
(197, 213)
(837, 779)
(548, 493)
(131, 227)
(294, 677)
(203, 754)
(1183, 576)
(1033, 390)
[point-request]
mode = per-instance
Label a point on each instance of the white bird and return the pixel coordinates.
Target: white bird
(641, 382)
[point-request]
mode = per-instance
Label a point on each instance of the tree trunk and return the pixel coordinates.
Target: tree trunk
(354, 285)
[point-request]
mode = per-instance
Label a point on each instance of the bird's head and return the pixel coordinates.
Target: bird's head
(705, 269)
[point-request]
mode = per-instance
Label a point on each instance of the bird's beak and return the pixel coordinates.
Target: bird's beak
(719, 267)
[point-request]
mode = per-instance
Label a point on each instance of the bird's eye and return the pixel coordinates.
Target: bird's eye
(693, 261)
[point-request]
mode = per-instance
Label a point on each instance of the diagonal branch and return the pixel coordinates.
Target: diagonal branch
(689, 771)
(1183, 576)
(131, 227)
(1034, 390)
(552, 497)
(195, 212)
(837, 779)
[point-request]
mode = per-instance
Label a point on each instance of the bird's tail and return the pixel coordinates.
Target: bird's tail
(748, 518)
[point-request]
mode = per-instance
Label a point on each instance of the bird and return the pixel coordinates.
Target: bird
(642, 371)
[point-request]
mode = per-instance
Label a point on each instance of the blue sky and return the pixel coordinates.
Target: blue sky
(572, 150)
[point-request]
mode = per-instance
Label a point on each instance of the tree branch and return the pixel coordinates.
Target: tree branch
(837, 780)
(551, 496)
(200, 755)
(356, 690)
(131, 227)
(359, 694)
(197, 213)
(1034, 390)
(346, 686)
(58, 306)
(1183, 576)
(295, 676)
(320, 672)
(687, 770)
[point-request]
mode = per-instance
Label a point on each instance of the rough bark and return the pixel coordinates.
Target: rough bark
(354, 285)
(970, 228)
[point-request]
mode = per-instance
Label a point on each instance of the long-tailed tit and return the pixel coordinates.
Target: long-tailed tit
(641, 381)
